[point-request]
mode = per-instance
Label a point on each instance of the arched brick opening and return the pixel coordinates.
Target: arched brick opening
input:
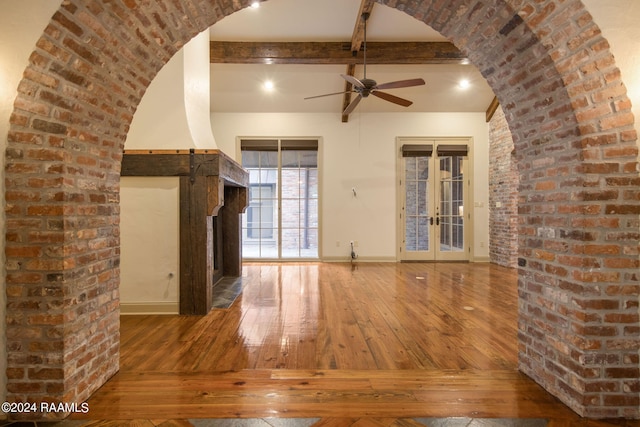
(579, 198)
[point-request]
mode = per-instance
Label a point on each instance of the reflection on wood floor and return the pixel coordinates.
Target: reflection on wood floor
(372, 341)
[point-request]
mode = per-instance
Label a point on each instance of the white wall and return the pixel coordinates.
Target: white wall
(361, 154)
(149, 230)
(197, 89)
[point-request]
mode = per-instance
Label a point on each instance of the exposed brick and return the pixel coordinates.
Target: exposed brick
(49, 127)
(503, 189)
(557, 178)
(45, 374)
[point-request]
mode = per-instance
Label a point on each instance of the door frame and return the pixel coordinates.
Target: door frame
(468, 215)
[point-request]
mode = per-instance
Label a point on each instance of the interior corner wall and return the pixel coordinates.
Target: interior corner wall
(361, 154)
(503, 193)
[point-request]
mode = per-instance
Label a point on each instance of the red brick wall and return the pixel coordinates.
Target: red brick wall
(574, 140)
(503, 193)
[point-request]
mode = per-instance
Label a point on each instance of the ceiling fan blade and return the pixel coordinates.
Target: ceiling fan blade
(352, 80)
(391, 98)
(328, 94)
(352, 105)
(401, 83)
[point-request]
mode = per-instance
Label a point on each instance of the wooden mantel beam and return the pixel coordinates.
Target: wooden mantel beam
(333, 53)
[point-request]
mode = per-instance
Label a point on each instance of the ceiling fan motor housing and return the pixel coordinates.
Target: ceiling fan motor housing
(369, 84)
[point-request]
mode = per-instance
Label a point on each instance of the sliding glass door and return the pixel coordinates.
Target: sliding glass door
(281, 221)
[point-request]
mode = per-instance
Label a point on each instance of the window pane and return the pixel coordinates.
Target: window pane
(313, 183)
(268, 159)
(451, 207)
(416, 203)
(290, 213)
(291, 183)
(309, 243)
(312, 213)
(269, 247)
(422, 239)
(411, 233)
(422, 198)
(290, 242)
(290, 159)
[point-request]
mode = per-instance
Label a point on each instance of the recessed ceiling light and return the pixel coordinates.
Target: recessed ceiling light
(268, 85)
(255, 4)
(464, 84)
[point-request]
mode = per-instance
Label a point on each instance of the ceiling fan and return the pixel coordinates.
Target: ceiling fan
(366, 87)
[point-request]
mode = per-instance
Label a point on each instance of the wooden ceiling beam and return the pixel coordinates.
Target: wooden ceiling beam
(346, 99)
(492, 109)
(366, 6)
(333, 53)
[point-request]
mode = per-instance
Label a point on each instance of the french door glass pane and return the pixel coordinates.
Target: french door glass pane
(416, 203)
(451, 204)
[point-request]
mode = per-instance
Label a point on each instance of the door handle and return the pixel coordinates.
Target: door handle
(431, 220)
(438, 220)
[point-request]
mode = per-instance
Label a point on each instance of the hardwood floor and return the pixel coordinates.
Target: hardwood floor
(370, 341)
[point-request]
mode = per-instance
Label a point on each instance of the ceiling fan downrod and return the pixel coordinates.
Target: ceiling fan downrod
(365, 16)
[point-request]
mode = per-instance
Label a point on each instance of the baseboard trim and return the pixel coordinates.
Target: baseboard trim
(131, 308)
(481, 259)
(359, 259)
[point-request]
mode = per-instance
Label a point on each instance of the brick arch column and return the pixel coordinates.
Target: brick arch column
(579, 195)
(579, 198)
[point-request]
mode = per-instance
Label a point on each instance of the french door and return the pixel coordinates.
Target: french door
(434, 191)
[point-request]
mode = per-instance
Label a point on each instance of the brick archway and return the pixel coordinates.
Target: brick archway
(579, 198)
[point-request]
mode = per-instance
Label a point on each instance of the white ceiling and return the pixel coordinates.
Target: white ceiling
(238, 88)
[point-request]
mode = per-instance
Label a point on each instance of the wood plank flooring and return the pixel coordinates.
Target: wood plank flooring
(368, 341)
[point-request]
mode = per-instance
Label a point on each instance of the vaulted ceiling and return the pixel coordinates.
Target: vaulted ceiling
(303, 46)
